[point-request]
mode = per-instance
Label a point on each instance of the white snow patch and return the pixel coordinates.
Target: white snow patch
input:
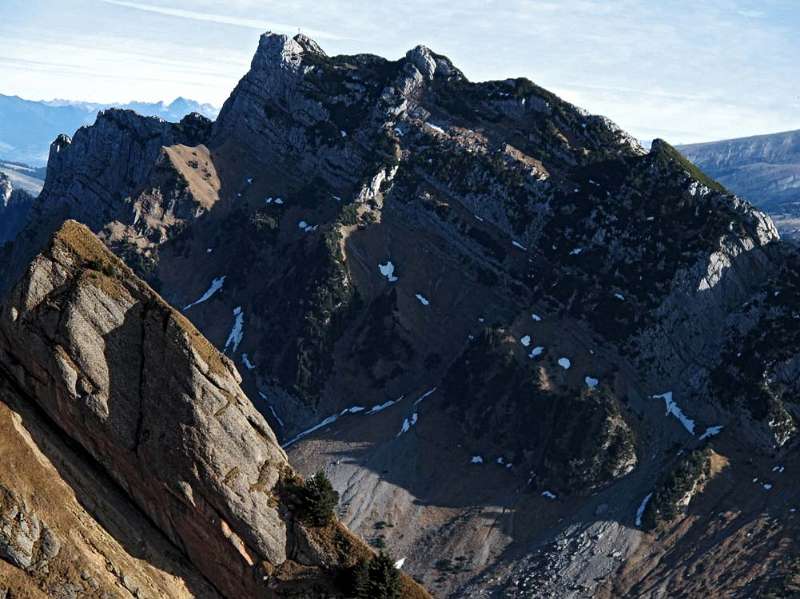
(387, 270)
(536, 351)
(619, 296)
(423, 300)
(303, 225)
(216, 285)
(591, 382)
(246, 361)
(525, 341)
(343, 133)
(778, 469)
(236, 334)
(767, 486)
(564, 363)
(711, 431)
(209, 250)
(383, 406)
(399, 563)
(316, 427)
(408, 423)
(519, 245)
(435, 127)
(476, 459)
(271, 409)
(424, 395)
(549, 495)
(352, 410)
(278, 201)
(536, 317)
(576, 251)
(642, 508)
(249, 180)
(674, 409)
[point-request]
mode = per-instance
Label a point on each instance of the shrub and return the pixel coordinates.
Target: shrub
(376, 578)
(318, 500)
(313, 501)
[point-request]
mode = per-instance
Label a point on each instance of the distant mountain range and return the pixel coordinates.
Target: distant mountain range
(764, 170)
(28, 127)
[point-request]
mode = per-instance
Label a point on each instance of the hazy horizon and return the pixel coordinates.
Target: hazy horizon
(682, 72)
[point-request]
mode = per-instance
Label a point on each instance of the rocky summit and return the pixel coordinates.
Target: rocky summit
(532, 358)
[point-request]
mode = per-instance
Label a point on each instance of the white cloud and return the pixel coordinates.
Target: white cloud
(681, 70)
(249, 23)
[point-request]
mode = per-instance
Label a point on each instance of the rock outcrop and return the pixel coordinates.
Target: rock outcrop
(764, 169)
(15, 204)
(158, 408)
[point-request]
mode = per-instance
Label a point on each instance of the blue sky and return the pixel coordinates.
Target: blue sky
(685, 71)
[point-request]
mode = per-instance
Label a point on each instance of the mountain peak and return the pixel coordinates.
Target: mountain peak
(276, 49)
(431, 64)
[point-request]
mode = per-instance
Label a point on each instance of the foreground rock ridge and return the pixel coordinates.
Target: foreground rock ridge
(158, 408)
(533, 358)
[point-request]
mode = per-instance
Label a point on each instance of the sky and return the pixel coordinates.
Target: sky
(686, 71)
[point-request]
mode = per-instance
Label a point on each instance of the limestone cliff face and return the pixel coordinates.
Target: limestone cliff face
(93, 176)
(764, 169)
(160, 409)
(136, 385)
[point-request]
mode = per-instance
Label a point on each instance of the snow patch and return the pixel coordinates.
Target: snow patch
(525, 341)
(408, 423)
(591, 382)
(576, 252)
(549, 495)
(564, 363)
(711, 431)
(536, 351)
(236, 334)
(387, 270)
(316, 427)
(519, 245)
(304, 226)
(674, 409)
(476, 459)
(246, 361)
(536, 317)
(619, 296)
(383, 406)
(399, 563)
(423, 300)
(216, 285)
(424, 395)
(642, 508)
